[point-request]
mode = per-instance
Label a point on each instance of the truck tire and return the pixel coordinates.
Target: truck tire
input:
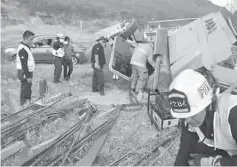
(131, 28)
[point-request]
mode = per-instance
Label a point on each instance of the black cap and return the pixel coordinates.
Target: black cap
(102, 38)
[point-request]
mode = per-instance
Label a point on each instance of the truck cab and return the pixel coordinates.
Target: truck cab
(203, 42)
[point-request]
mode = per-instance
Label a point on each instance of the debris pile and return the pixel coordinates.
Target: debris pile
(64, 130)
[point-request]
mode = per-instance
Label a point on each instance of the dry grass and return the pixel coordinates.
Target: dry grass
(51, 129)
(9, 86)
(133, 131)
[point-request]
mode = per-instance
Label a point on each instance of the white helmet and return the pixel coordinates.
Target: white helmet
(60, 35)
(190, 93)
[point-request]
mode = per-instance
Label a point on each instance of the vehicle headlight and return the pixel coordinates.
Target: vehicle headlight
(7, 50)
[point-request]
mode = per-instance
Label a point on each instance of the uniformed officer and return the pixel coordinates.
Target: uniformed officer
(25, 65)
(58, 52)
(209, 133)
(98, 61)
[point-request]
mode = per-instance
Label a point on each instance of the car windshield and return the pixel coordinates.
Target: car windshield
(138, 35)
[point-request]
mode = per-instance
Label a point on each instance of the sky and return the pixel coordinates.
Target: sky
(230, 5)
(221, 3)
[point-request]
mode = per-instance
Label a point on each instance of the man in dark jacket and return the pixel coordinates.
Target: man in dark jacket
(98, 61)
(25, 65)
(67, 59)
(209, 133)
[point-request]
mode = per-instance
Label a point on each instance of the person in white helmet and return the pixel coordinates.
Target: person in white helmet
(209, 132)
(58, 52)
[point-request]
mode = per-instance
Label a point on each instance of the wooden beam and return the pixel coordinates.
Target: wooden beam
(89, 158)
(12, 149)
(3, 125)
(39, 146)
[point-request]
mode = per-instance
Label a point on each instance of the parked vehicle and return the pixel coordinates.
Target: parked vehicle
(42, 50)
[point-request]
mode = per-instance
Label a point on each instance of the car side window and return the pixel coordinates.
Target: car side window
(43, 43)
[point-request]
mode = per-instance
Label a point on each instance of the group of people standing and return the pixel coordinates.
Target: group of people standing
(62, 51)
(25, 63)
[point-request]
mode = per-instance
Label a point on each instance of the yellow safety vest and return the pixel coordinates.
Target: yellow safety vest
(223, 138)
(222, 132)
(59, 53)
(31, 60)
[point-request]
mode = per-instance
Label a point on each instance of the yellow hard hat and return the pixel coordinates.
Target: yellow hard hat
(190, 93)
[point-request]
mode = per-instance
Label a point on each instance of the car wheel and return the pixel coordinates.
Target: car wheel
(74, 61)
(130, 29)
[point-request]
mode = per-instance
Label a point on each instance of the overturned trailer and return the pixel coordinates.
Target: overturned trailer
(201, 44)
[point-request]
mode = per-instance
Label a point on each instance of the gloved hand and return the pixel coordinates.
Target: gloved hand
(203, 160)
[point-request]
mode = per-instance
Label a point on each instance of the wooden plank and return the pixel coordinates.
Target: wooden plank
(3, 125)
(12, 149)
(39, 146)
(89, 158)
(74, 104)
(32, 153)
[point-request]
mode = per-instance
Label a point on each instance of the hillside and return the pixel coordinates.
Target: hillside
(69, 12)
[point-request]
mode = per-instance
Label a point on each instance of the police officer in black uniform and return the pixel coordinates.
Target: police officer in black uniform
(98, 61)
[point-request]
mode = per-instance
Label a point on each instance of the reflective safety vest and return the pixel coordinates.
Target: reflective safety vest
(30, 62)
(223, 138)
(222, 131)
(59, 53)
(141, 54)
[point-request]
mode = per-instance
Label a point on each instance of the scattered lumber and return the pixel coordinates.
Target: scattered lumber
(12, 149)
